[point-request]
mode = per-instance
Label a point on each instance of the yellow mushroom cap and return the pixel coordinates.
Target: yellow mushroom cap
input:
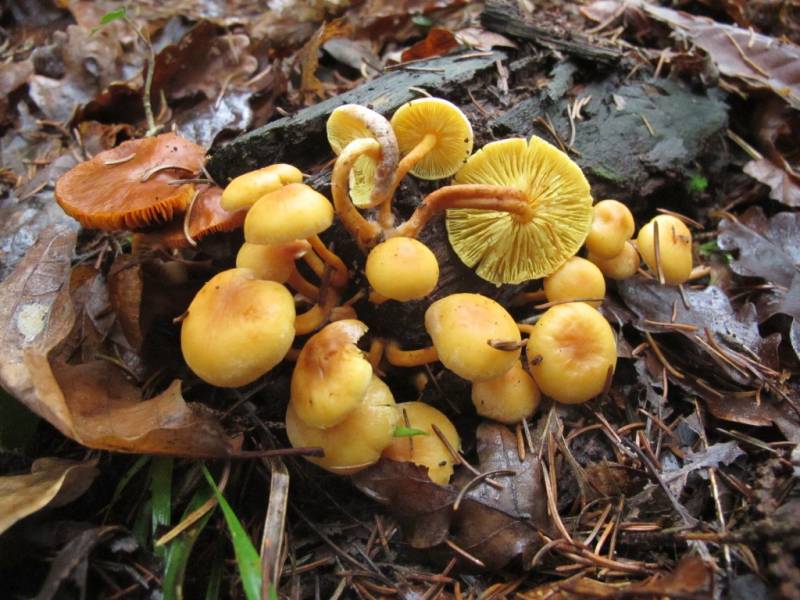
(414, 120)
(331, 375)
(274, 262)
(356, 442)
(675, 248)
(623, 265)
(246, 189)
(577, 278)
(237, 328)
(292, 212)
(461, 326)
(425, 450)
(509, 398)
(497, 244)
(612, 226)
(570, 351)
(402, 268)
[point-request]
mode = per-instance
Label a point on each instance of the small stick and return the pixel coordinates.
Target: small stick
(464, 553)
(187, 217)
(657, 252)
(557, 302)
(507, 345)
(684, 218)
(471, 483)
(461, 460)
(661, 358)
(687, 327)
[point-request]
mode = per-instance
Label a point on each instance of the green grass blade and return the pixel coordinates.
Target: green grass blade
(123, 483)
(246, 555)
(161, 494)
(180, 548)
(215, 576)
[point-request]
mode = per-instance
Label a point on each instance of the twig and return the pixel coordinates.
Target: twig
(471, 483)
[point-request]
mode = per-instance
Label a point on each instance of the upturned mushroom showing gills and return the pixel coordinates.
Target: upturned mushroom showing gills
(245, 190)
(571, 352)
(131, 186)
(237, 328)
(671, 257)
(612, 226)
(372, 173)
(426, 450)
(623, 265)
(357, 441)
(331, 375)
(402, 269)
(576, 280)
(509, 398)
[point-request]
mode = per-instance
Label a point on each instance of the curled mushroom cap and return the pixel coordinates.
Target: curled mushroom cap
(274, 262)
(500, 246)
(612, 226)
(675, 248)
(356, 442)
(576, 279)
(571, 352)
(509, 398)
(292, 212)
(237, 328)
(370, 179)
(623, 265)
(245, 190)
(331, 375)
(402, 268)
(128, 187)
(461, 327)
(425, 450)
(451, 130)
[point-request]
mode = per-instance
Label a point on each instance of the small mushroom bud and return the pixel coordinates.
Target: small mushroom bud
(358, 440)
(403, 269)
(237, 328)
(623, 265)
(576, 279)
(509, 398)
(674, 245)
(571, 352)
(246, 189)
(290, 213)
(426, 450)
(461, 327)
(612, 226)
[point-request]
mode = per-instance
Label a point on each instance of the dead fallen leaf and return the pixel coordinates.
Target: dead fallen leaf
(783, 186)
(92, 403)
(12, 76)
(51, 482)
(481, 39)
(722, 453)
(438, 42)
(308, 57)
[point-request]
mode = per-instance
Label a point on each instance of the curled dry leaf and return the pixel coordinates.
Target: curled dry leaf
(51, 482)
(438, 42)
(92, 403)
(783, 186)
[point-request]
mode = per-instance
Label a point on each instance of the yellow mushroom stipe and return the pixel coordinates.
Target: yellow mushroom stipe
(675, 248)
(612, 226)
(623, 265)
(237, 328)
(274, 262)
(358, 440)
(402, 269)
(246, 189)
(461, 326)
(570, 352)
(331, 375)
(509, 398)
(503, 248)
(576, 279)
(292, 212)
(425, 450)
(451, 132)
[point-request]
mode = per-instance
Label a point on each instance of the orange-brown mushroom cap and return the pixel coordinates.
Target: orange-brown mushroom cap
(294, 211)
(128, 187)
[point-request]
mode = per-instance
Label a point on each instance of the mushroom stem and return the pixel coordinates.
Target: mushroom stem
(385, 216)
(376, 349)
(409, 358)
(315, 263)
(341, 274)
(301, 285)
(316, 316)
(364, 232)
(471, 196)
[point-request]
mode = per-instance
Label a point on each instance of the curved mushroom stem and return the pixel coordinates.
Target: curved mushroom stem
(375, 354)
(525, 328)
(303, 286)
(480, 197)
(315, 263)
(316, 316)
(418, 152)
(341, 274)
(364, 232)
(409, 358)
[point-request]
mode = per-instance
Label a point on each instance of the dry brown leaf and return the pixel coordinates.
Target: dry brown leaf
(308, 56)
(783, 186)
(481, 39)
(92, 403)
(51, 482)
(438, 42)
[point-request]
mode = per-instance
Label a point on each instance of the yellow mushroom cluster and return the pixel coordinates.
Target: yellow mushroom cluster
(518, 210)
